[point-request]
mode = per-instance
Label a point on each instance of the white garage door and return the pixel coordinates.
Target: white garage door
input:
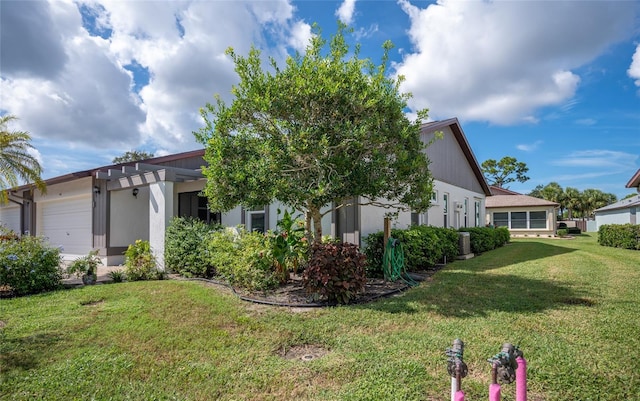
(10, 218)
(67, 223)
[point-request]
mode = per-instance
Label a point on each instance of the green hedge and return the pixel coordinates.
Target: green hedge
(484, 239)
(424, 247)
(625, 236)
(185, 249)
(29, 265)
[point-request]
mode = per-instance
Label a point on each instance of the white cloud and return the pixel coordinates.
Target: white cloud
(598, 159)
(529, 147)
(79, 95)
(634, 69)
(346, 11)
(587, 121)
(502, 61)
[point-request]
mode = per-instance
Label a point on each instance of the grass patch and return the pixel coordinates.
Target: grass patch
(572, 306)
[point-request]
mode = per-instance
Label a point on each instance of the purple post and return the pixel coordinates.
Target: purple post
(494, 392)
(459, 395)
(521, 379)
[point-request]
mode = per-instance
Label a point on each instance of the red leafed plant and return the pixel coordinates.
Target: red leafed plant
(335, 272)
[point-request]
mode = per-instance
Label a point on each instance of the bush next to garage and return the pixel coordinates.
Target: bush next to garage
(484, 239)
(28, 265)
(140, 262)
(423, 246)
(243, 259)
(185, 249)
(625, 236)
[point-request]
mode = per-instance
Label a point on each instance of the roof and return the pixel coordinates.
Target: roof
(623, 204)
(455, 127)
(92, 172)
(634, 182)
(504, 198)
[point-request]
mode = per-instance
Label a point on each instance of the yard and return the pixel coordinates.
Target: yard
(572, 306)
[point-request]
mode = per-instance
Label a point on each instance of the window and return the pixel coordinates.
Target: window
(518, 220)
(477, 206)
(445, 208)
(501, 219)
(538, 219)
(191, 204)
(257, 220)
(434, 197)
(466, 212)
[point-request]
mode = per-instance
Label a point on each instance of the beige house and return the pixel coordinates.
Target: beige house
(523, 215)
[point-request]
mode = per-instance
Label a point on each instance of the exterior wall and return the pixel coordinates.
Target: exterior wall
(618, 216)
(548, 231)
(129, 217)
(372, 218)
(448, 163)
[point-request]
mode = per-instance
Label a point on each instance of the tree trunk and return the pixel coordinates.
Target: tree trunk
(314, 213)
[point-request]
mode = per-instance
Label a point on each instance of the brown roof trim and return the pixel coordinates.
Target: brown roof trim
(88, 173)
(502, 191)
(454, 124)
(634, 182)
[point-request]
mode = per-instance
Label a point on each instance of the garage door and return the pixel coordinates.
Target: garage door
(10, 217)
(66, 223)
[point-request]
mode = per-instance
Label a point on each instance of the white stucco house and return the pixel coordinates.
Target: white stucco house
(109, 207)
(523, 215)
(625, 211)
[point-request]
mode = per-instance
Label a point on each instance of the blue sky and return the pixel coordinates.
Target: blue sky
(554, 84)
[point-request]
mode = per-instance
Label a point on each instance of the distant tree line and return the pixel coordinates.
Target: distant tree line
(574, 202)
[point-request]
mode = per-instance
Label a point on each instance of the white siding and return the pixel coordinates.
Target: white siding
(618, 216)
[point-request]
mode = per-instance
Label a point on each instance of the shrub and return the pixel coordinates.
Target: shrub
(140, 263)
(424, 247)
(485, 239)
(28, 265)
(625, 236)
(117, 276)
(574, 231)
(288, 245)
(335, 272)
(562, 232)
(185, 249)
(243, 259)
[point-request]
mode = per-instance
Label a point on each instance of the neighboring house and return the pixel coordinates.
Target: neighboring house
(521, 214)
(109, 207)
(622, 212)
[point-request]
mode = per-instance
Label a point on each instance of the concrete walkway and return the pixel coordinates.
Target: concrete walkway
(103, 276)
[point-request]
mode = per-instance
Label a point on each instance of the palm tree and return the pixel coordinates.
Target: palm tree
(572, 199)
(16, 164)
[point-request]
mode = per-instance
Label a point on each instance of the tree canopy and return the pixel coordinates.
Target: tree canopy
(576, 202)
(16, 163)
(505, 171)
(132, 156)
(315, 134)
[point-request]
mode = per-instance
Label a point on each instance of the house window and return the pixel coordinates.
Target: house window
(477, 209)
(191, 204)
(501, 219)
(538, 219)
(445, 208)
(257, 220)
(434, 197)
(518, 220)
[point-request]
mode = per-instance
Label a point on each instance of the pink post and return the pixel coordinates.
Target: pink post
(459, 395)
(494, 392)
(521, 379)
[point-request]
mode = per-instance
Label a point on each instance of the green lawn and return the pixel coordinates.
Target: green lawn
(572, 306)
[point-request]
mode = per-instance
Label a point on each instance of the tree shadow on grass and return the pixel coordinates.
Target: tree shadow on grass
(470, 289)
(25, 353)
(455, 293)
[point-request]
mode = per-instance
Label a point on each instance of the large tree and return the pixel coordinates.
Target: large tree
(505, 171)
(315, 134)
(132, 156)
(16, 163)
